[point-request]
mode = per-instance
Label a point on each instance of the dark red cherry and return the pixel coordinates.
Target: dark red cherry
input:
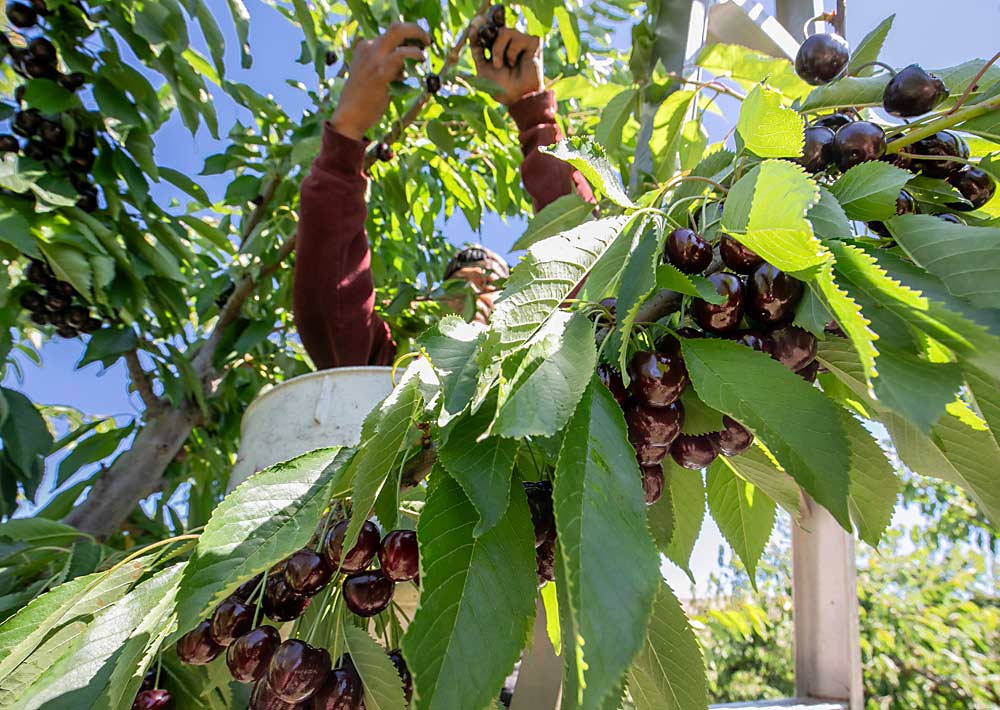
(230, 620)
(92, 325)
(725, 317)
(153, 700)
(818, 151)
(822, 58)
(21, 16)
(652, 483)
(27, 122)
(73, 81)
(342, 690)
(399, 555)
(809, 372)
(197, 647)
(694, 452)
(67, 331)
(52, 134)
(858, 143)
(249, 655)
(246, 590)
(38, 272)
(793, 347)
(734, 439)
(368, 593)
(43, 50)
(297, 670)
(384, 152)
(307, 572)
(658, 379)
(432, 82)
(543, 520)
(498, 16)
(905, 204)
(944, 144)
(62, 288)
(32, 301)
(360, 556)
(280, 602)
(545, 562)
(399, 662)
(77, 316)
(487, 36)
(658, 426)
(752, 340)
(772, 295)
(686, 250)
(737, 257)
(331, 58)
(263, 698)
(975, 185)
(37, 151)
(913, 92)
(650, 454)
(9, 143)
(834, 120)
(612, 379)
(41, 7)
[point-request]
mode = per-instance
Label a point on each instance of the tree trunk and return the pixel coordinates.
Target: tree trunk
(136, 474)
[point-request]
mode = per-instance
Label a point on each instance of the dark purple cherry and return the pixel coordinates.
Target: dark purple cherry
(21, 16)
(658, 426)
(153, 700)
(650, 454)
(62, 288)
(230, 620)
(725, 317)
(694, 452)
(809, 372)
(652, 483)
(498, 16)
(52, 134)
(975, 185)
(858, 143)
(38, 272)
(818, 151)
(360, 556)
(822, 58)
(40, 318)
(92, 325)
(32, 301)
(41, 7)
(331, 58)
(432, 82)
(772, 295)
(612, 379)
(197, 647)
(545, 562)
(280, 602)
(307, 572)
(734, 438)
(297, 670)
(9, 143)
(73, 81)
(737, 257)
(246, 590)
(913, 92)
(543, 519)
(752, 340)
(834, 120)
(399, 555)
(368, 593)
(43, 50)
(944, 144)
(148, 681)
(793, 347)
(77, 316)
(27, 122)
(399, 662)
(37, 151)
(342, 690)
(249, 655)
(263, 698)
(905, 204)
(686, 250)
(384, 152)
(658, 379)
(67, 331)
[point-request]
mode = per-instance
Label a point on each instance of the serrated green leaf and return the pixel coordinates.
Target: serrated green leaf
(268, 517)
(983, 390)
(699, 418)
(26, 437)
(70, 264)
(757, 467)
(669, 276)
(468, 585)
(590, 159)
(613, 119)
(452, 345)
(559, 216)
(768, 129)
(917, 389)
(600, 510)
(869, 49)
(794, 420)
(828, 218)
(687, 501)
(849, 91)
(47, 96)
(669, 672)
(716, 166)
(665, 140)
(750, 68)
(868, 192)
(874, 485)
(93, 448)
(637, 284)
(812, 313)
(383, 686)
(744, 514)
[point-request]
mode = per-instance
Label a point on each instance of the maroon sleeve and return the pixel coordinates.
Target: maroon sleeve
(545, 178)
(334, 295)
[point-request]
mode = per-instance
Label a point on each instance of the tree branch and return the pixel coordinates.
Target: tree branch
(141, 382)
(840, 18)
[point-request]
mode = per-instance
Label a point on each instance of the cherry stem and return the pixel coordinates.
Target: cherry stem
(159, 664)
(824, 17)
(950, 158)
(258, 596)
(944, 122)
(322, 609)
(408, 356)
(891, 70)
(975, 82)
(714, 85)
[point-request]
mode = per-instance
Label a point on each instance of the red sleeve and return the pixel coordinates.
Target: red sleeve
(334, 295)
(545, 178)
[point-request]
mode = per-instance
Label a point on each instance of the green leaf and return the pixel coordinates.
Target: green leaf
(107, 345)
(241, 20)
(828, 219)
(47, 96)
(598, 498)
(92, 449)
(849, 91)
(560, 216)
(15, 230)
(669, 276)
(38, 531)
(744, 514)
(183, 182)
(115, 104)
(716, 166)
(868, 192)
(70, 264)
(667, 132)
(793, 419)
(915, 388)
(483, 468)
(25, 435)
(966, 259)
(983, 390)
(268, 517)
(469, 585)
(613, 119)
(590, 159)
(767, 128)
(570, 33)
(757, 467)
(874, 485)
(452, 345)
(812, 313)
(214, 38)
(750, 68)
(383, 686)
(638, 282)
(687, 500)
(669, 672)
(546, 276)
(869, 49)
(698, 417)
(550, 380)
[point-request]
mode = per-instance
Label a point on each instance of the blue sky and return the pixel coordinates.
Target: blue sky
(935, 34)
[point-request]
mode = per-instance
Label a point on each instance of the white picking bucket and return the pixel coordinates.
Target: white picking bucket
(309, 412)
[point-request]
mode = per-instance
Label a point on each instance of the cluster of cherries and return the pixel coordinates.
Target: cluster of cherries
(544, 522)
(54, 303)
(45, 136)
(292, 673)
(842, 140)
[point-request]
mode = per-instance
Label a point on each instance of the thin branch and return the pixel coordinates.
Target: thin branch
(974, 83)
(840, 18)
(260, 211)
(141, 382)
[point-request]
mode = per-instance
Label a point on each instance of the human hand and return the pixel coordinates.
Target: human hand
(375, 64)
(515, 65)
